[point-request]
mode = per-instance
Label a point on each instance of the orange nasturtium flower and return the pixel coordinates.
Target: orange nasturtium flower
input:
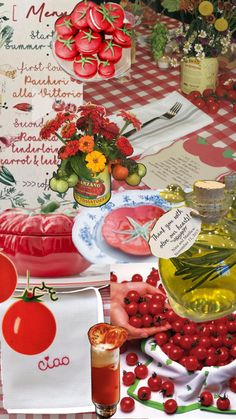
(86, 144)
(96, 161)
(221, 24)
(205, 8)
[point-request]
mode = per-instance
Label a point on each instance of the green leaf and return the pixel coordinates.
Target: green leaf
(188, 387)
(201, 140)
(153, 346)
(171, 5)
(159, 364)
(169, 362)
(78, 165)
(40, 201)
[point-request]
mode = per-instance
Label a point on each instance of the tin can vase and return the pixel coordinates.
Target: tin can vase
(198, 75)
(94, 192)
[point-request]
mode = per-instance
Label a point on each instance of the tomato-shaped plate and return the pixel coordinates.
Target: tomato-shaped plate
(90, 233)
(40, 243)
(128, 229)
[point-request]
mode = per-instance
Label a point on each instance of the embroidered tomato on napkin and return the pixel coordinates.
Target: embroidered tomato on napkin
(128, 229)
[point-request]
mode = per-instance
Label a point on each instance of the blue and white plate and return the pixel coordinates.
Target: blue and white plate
(87, 230)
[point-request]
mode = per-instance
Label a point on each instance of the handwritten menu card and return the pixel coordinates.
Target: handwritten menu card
(32, 89)
(184, 162)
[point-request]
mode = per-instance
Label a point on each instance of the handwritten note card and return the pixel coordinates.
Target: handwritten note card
(174, 233)
(32, 89)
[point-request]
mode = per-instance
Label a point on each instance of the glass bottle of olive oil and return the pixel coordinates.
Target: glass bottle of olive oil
(230, 186)
(201, 282)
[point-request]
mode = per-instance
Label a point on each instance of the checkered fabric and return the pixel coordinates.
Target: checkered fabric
(145, 83)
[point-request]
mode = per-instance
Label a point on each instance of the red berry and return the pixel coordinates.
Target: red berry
(131, 358)
(144, 393)
(170, 406)
(191, 363)
(167, 388)
(232, 384)
(113, 277)
(132, 296)
(206, 398)
(141, 371)
(223, 403)
(154, 382)
(137, 278)
(161, 338)
(127, 404)
(128, 378)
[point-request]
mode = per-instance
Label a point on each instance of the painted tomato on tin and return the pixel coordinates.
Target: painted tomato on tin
(128, 229)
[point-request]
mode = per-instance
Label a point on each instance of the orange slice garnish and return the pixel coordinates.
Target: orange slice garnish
(105, 333)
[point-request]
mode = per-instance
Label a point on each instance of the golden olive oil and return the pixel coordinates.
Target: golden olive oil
(201, 282)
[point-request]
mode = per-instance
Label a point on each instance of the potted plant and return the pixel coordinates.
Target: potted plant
(93, 147)
(206, 37)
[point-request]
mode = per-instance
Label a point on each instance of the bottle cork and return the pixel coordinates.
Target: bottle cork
(209, 190)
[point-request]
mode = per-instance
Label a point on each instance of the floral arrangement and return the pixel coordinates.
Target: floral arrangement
(90, 143)
(210, 31)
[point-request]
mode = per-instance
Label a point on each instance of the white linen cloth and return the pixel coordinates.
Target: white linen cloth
(148, 140)
(30, 387)
(189, 385)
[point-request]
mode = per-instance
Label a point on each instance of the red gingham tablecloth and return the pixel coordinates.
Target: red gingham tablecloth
(145, 83)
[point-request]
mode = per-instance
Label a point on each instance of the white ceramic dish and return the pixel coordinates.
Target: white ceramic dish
(87, 230)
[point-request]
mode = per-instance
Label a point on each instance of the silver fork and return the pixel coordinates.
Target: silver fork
(167, 115)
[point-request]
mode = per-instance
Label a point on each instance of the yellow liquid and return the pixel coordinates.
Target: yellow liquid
(201, 282)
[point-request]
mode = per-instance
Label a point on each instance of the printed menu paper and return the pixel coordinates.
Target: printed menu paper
(33, 88)
(183, 164)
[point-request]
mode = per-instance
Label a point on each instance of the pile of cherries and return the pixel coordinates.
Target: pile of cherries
(210, 100)
(156, 383)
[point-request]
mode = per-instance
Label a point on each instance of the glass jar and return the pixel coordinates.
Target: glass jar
(201, 282)
(230, 185)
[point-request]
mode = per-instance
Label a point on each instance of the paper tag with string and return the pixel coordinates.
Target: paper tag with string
(175, 232)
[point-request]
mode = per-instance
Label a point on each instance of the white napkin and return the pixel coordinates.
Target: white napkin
(189, 385)
(27, 387)
(188, 119)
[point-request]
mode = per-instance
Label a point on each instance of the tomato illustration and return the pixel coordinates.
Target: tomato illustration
(78, 16)
(64, 26)
(88, 41)
(116, 16)
(85, 67)
(28, 327)
(110, 51)
(58, 105)
(65, 47)
(106, 69)
(8, 278)
(97, 18)
(122, 36)
(128, 228)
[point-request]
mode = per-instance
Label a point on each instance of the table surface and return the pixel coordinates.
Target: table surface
(145, 83)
